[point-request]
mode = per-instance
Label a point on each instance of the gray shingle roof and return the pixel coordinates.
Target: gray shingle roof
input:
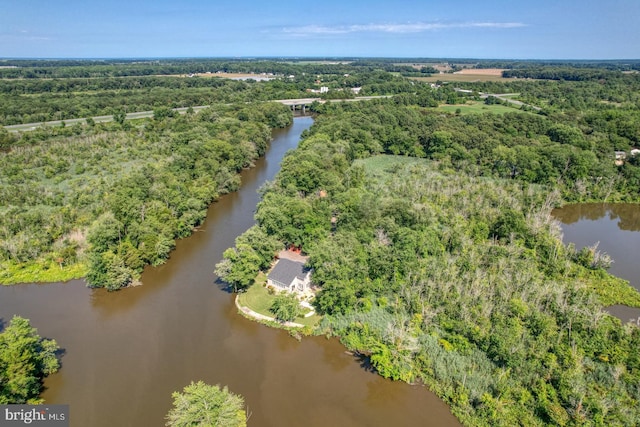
(286, 270)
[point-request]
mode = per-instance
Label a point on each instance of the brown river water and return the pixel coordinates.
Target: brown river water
(126, 352)
(616, 229)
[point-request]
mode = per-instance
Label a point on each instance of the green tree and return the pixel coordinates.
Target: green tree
(204, 405)
(25, 359)
(108, 270)
(264, 245)
(285, 307)
(120, 117)
(161, 113)
(104, 233)
(6, 139)
(239, 266)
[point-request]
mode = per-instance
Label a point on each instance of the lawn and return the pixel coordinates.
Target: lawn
(258, 299)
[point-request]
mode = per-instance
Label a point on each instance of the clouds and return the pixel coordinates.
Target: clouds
(406, 28)
(22, 36)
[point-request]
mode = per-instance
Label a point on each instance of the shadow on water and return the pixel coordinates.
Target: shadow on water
(365, 362)
(223, 286)
(60, 354)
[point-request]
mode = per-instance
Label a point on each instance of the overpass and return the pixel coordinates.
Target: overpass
(299, 104)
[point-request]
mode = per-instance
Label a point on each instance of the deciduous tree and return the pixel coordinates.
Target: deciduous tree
(204, 405)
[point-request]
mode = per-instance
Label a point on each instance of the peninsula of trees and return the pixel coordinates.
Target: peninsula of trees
(443, 264)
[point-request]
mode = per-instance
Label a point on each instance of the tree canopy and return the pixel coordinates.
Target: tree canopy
(25, 359)
(204, 405)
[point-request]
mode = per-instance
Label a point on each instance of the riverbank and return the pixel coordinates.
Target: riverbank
(261, 318)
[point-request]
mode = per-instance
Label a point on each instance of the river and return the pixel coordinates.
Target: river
(125, 352)
(616, 229)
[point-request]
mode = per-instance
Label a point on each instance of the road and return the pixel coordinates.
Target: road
(505, 97)
(146, 114)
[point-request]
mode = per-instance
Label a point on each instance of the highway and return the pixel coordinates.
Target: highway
(146, 114)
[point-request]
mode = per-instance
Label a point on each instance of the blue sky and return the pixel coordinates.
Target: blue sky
(543, 29)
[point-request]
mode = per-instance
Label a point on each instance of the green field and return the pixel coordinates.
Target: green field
(476, 107)
(384, 165)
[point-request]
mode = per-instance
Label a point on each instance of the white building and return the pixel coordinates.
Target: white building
(288, 275)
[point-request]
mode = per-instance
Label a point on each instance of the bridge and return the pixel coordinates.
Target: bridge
(299, 104)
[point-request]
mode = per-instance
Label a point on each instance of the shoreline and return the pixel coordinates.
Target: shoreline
(261, 318)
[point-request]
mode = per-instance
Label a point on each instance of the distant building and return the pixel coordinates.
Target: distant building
(288, 275)
(323, 89)
(356, 90)
(635, 152)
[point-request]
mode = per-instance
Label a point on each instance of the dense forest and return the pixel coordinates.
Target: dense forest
(431, 238)
(38, 100)
(106, 200)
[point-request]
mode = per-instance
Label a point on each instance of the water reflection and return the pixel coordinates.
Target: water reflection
(616, 229)
(626, 214)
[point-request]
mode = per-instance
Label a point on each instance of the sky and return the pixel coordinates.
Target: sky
(496, 29)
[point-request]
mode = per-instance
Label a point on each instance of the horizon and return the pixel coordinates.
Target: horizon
(496, 29)
(316, 58)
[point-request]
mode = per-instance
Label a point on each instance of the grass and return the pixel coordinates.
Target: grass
(385, 164)
(258, 299)
(611, 290)
(477, 107)
(36, 272)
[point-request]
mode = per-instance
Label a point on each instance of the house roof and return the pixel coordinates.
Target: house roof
(286, 270)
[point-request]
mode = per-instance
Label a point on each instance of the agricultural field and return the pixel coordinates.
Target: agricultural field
(458, 77)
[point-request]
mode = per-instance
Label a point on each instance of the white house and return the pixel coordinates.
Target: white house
(288, 275)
